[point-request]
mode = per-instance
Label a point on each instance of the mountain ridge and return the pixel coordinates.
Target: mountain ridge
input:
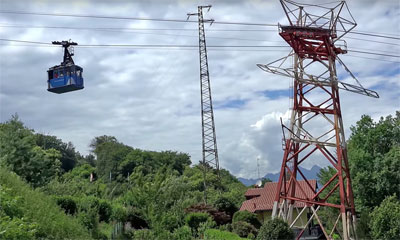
(308, 173)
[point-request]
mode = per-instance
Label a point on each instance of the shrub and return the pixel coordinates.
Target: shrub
(204, 226)
(246, 216)
(385, 219)
(17, 228)
(243, 229)
(193, 220)
(226, 205)
(104, 210)
(119, 213)
(169, 222)
(220, 217)
(275, 229)
(67, 203)
(214, 234)
(183, 233)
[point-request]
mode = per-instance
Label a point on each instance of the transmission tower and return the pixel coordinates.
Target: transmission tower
(209, 139)
(316, 128)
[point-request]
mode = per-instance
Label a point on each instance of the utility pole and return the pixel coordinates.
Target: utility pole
(209, 139)
(316, 125)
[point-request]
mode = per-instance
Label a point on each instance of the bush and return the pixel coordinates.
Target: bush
(244, 229)
(193, 220)
(17, 228)
(204, 226)
(226, 205)
(119, 213)
(183, 233)
(67, 203)
(169, 222)
(246, 216)
(214, 234)
(385, 219)
(105, 211)
(275, 229)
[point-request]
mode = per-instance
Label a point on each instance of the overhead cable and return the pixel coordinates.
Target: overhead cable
(134, 18)
(179, 20)
(184, 46)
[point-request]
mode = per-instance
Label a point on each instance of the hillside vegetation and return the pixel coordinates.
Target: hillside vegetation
(48, 190)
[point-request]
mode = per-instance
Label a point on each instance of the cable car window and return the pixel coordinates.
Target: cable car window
(61, 73)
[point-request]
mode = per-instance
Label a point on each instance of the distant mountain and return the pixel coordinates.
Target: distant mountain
(309, 174)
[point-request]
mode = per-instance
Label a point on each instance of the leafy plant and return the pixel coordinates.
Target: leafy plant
(275, 229)
(246, 216)
(385, 219)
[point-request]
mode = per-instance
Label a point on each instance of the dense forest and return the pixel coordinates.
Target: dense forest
(48, 190)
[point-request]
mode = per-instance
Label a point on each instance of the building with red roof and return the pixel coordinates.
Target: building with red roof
(261, 200)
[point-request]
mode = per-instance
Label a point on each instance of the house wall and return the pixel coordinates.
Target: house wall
(301, 222)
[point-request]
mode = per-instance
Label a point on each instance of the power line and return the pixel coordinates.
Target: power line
(135, 32)
(368, 40)
(376, 59)
(374, 53)
(137, 29)
(374, 35)
(184, 46)
(135, 18)
(178, 20)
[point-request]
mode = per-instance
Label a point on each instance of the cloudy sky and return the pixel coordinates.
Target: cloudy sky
(150, 98)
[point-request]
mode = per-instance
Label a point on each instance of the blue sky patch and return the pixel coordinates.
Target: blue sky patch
(233, 103)
(275, 94)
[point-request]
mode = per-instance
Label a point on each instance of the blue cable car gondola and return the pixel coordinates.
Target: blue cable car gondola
(67, 76)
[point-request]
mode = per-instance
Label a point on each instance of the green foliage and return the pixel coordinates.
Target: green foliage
(37, 212)
(275, 229)
(21, 155)
(67, 203)
(149, 191)
(264, 181)
(226, 204)
(68, 156)
(17, 228)
(121, 160)
(193, 220)
(214, 234)
(119, 213)
(246, 216)
(76, 183)
(183, 233)
(385, 219)
(374, 156)
(243, 229)
(374, 161)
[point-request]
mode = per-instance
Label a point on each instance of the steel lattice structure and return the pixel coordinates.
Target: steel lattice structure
(316, 126)
(209, 139)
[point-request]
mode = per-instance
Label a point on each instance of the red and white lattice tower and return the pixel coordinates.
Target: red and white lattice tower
(316, 127)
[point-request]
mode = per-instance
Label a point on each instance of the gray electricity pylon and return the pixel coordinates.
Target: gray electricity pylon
(210, 152)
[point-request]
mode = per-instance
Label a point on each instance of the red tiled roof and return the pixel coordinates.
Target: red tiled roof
(262, 199)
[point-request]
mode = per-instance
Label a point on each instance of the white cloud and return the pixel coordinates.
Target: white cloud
(150, 98)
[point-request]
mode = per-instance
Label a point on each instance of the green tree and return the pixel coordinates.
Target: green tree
(68, 155)
(21, 155)
(385, 219)
(275, 229)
